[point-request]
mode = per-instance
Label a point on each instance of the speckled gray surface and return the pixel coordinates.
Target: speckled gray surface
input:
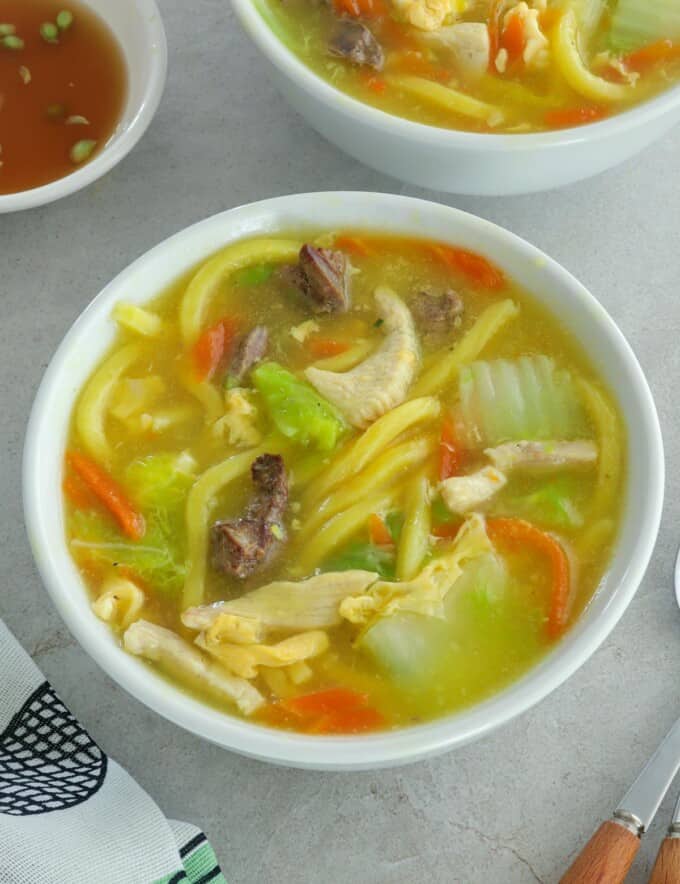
(508, 810)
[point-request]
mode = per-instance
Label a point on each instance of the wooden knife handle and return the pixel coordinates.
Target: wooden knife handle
(667, 866)
(606, 858)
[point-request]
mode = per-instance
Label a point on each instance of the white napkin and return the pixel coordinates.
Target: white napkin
(70, 813)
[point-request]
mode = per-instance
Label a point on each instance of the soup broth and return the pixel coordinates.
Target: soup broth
(389, 512)
(488, 65)
(62, 90)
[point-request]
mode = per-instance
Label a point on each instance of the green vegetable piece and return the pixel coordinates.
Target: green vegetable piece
(82, 150)
(551, 506)
(364, 557)
(160, 480)
(634, 23)
(395, 522)
(297, 410)
(12, 42)
(64, 20)
(255, 275)
(7, 30)
(441, 514)
(49, 32)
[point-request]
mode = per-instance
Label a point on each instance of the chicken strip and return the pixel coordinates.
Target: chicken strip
(462, 494)
(173, 654)
(543, 455)
(381, 381)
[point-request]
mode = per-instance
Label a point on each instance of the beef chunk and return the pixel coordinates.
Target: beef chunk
(355, 42)
(249, 350)
(322, 276)
(240, 546)
(437, 313)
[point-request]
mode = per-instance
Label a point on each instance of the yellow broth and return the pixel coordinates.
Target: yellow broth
(493, 637)
(510, 95)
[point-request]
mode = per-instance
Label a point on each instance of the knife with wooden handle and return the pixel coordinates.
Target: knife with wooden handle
(609, 854)
(667, 866)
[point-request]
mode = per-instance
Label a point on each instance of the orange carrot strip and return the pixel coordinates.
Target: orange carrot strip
(212, 346)
(108, 492)
(354, 245)
(564, 118)
(375, 84)
(450, 453)
(479, 271)
(349, 721)
(320, 347)
(447, 530)
(397, 36)
(378, 532)
(414, 63)
(77, 493)
(325, 702)
(522, 533)
(360, 8)
(513, 38)
(651, 54)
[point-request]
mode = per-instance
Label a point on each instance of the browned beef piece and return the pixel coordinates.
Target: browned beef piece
(355, 42)
(240, 546)
(322, 276)
(249, 350)
(437, 312)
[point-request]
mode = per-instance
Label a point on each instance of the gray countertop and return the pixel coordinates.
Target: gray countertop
(509, 809)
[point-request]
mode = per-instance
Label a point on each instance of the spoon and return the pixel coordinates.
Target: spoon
(608, 856)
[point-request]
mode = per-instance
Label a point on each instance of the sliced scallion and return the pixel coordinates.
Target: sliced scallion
(82, 150)
(64, 20)
(49, 32)
(7, 30)
(12, 42)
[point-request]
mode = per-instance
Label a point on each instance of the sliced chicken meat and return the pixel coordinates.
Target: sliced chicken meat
(172, 653)
(528, 455)
(462, 494)
(380, 382)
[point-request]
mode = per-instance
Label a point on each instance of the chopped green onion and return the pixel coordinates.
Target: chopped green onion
(82, 150)
(378, 323)
(64, 20)
(254, 275)
(7, 30)
(55, 111)
(49, 32)
(77, 120)
(12, 42)
(25, 75)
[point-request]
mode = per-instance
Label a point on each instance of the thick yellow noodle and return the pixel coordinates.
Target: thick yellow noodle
(208, 281)
(445, 367)
(200, 502)
(341, 528)
(609, 465)
(448, 99)
(387, 467)
(94, 402)
(574, 70)
(206, 393)
(377, 438)
(138, 319)
(415, 535)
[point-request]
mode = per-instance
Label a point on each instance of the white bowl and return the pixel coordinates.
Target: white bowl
(456, 161)
(92, 334)
(138, 27)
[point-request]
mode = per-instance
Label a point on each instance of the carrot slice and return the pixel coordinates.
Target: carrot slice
(325, 702)
(447, 530)
(563, 118)
(349, 721)
(378, 532)
(109, 493)
(375, 84)
(355, 245)
(320, 347)
(360, 8)
(479, 271)
(450, 453)
(513, 38)
(414, 63)
(518, 532)
(652, 54)
(212, 347)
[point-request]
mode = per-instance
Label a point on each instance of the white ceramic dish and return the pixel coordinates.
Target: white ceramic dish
(92, 334)
(454, 161)
(138, 27)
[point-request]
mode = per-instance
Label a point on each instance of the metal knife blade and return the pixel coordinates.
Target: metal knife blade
(641, 802)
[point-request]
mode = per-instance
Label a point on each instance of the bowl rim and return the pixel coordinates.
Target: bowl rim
(121, 143)
(286, 61)
(329, 753)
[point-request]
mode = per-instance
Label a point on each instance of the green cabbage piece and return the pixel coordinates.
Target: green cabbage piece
(297, 410)
(635, 23)
(552, 505)
(254, 275)
(159, 485)
(364, 557)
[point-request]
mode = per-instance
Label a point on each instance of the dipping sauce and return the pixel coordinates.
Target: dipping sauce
(62, 90)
